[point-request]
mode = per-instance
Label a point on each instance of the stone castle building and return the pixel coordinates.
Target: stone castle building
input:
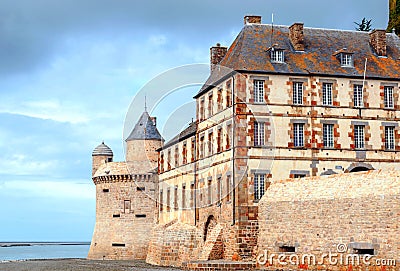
(280, 103)
(125, 191)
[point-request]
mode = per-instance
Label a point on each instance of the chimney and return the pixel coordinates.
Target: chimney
(217, 53)
(377, 39)
(296, 36)
(252, 19)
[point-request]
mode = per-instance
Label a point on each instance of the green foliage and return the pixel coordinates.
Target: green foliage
(365, 25)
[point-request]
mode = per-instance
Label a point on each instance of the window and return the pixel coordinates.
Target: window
(106, 190)
(327, 94)
(162, 162)
(258, 133)
(140, 215)
(297, 93)
(176, 156)
(388, 97)
(259, 186)
(176, 198)
(389, 137)
(184, 153)
(169, 159)
(298, 176)
(359, 137)
(287, 249)
(192, 195)
(192, 150)
(277, 55)
(127, 206)
(201, 109)
(202, 147)
(298, 134)
(258, 91)
(219, 189)
(183, 196)
(168, 200)
(228, 188)
(219, 99)
(346, 60)
(228, 136)
(161, 201)
(209, 192)
(210, 143)
(328, 135)
(210, 105)
(219, 140)
(228, 94)
(358, 95)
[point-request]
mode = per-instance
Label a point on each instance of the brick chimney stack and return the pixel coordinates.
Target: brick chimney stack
(252, 19)
(296, 36)
(217, 53)
(377, 39)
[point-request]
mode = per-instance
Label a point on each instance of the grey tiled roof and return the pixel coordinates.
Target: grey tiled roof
(102, 149)
(189, 131)
(144, 129)
(249, 52)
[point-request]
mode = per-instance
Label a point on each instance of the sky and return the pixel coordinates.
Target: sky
(69, 71)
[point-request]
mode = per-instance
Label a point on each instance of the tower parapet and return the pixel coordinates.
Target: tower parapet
(101, 155)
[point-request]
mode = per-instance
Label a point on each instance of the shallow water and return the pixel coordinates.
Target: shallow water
(19, 251)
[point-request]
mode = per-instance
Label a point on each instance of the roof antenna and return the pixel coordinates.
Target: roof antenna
(145, 104)
(272, 32)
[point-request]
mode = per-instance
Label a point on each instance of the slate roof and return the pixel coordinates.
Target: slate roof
(144, 129)
(249, 53)
(102, 149)
(189, 131)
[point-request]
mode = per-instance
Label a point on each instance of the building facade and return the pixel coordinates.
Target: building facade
(281, 102)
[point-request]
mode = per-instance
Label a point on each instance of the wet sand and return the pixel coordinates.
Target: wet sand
(80, 265)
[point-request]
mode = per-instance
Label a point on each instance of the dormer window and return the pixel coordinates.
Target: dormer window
(346, 60)
(277, 54)
(345, 57)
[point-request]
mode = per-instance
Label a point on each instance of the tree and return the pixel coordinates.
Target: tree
(394, 16)
(365, 25)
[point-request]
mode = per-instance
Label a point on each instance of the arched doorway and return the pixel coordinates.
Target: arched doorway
(210, 224)
(359, 167)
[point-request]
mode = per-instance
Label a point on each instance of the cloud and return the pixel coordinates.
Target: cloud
(72, 189)
(47, 110)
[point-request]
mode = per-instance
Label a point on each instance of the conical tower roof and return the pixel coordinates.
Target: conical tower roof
(102, 149)
(145, 128)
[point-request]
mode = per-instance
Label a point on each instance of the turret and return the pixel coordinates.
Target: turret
(143, 141)
(101, 154)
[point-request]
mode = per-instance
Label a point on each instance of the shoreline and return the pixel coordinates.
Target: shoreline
(80, 264)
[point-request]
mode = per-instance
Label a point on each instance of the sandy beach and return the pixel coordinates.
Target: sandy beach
(79, 265)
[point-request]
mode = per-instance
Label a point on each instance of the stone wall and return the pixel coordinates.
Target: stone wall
(174, 243)
(352, 213)
(125, 215)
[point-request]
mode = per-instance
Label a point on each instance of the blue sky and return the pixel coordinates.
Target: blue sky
(69, 71)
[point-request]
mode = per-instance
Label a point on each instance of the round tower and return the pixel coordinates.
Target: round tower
(143, 141)
(101, 154)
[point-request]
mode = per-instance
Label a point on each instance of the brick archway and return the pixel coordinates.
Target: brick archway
(357, 167)
(209, 225)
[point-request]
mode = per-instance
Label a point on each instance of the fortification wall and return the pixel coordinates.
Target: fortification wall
(125, 215)
(174, 243)
(346, 214)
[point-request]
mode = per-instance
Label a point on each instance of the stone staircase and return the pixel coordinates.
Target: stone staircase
(213, 247)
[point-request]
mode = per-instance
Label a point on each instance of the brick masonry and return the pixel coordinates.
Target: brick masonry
(313, 215)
